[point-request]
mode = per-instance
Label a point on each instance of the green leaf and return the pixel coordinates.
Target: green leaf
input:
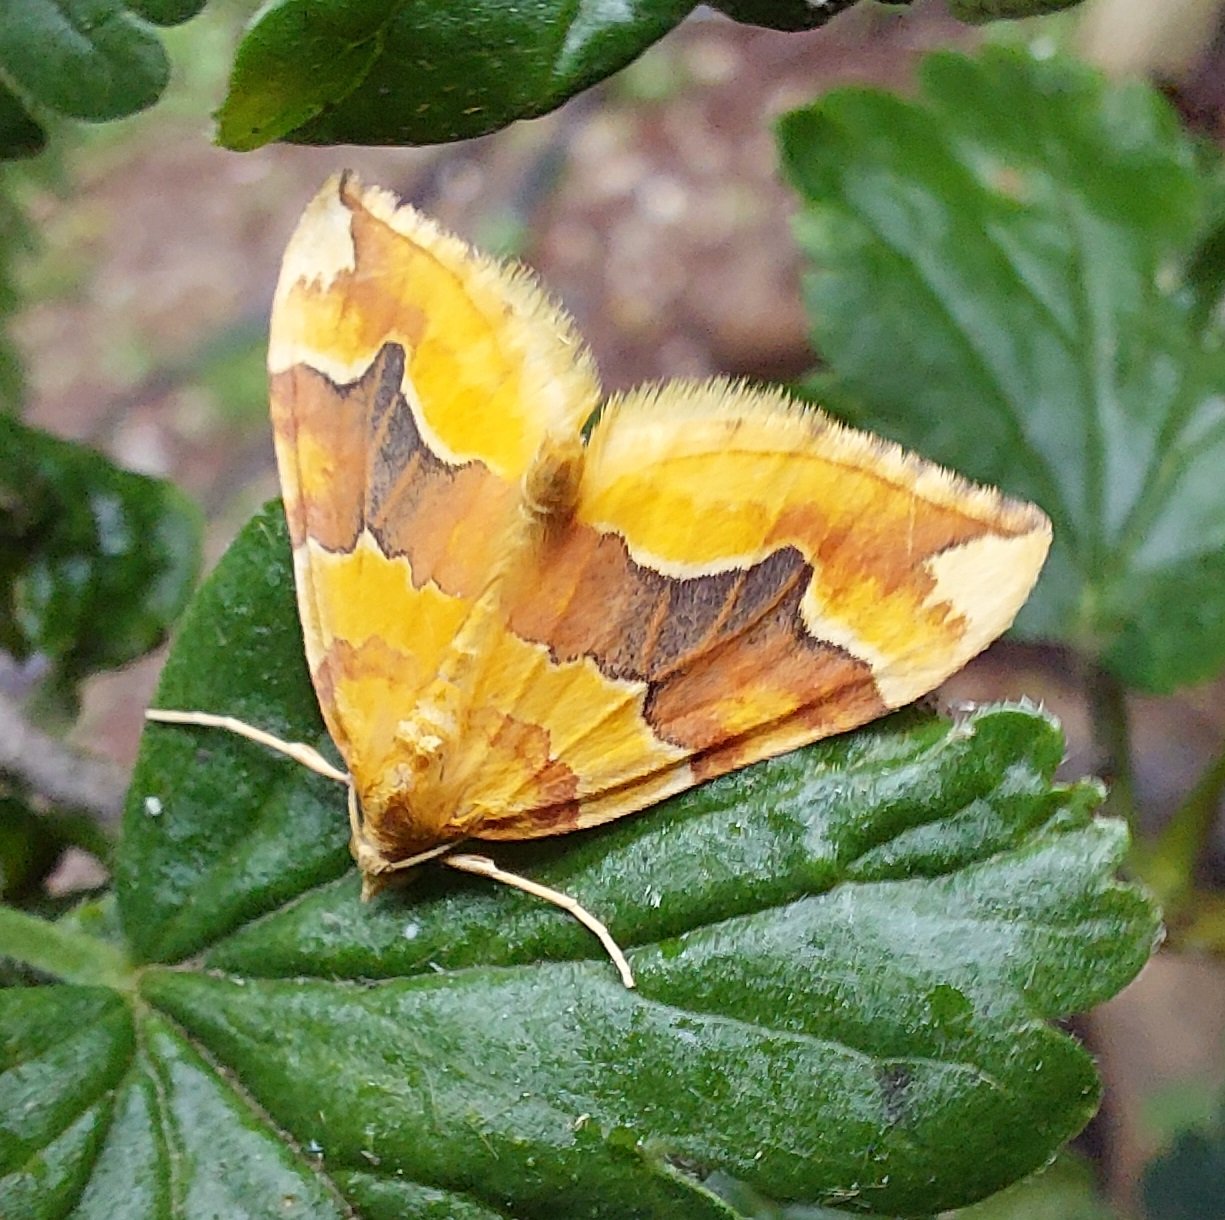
(166, 12)
(425, 72)
(20, 134)
(186, 875)
(63, 1054)
(61, 950)
(420, 72)
(1205, 269)
(1062, 1191)
(95, 562)
(29, 848)
(91, 59)
(785, 14)
(992, 10)
(846, 960)
(994, 274)
(1184, 1181)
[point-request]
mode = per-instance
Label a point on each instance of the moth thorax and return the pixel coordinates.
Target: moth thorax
(551, 482)
(420, 744)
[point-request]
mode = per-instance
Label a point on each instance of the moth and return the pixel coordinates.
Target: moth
(515, 632)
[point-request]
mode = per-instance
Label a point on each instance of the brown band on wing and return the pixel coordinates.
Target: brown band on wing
(590, 598)
(703, 613)
(584, 597)
(358, 460)
(323, 433)
(718, 652)
(771, 670)
(446, 520)
(443, 518)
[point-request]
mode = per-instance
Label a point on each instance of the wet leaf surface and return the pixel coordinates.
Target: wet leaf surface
(847, 958)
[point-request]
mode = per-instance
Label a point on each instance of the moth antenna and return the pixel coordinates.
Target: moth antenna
(483, 866)
(299, 751)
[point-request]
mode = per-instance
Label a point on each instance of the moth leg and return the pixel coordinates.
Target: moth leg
(482, 866)
(299, 751)
(355, 817)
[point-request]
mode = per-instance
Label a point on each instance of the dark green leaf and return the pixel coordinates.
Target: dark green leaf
(785, 14)
(20, 134)
(91, 59)
(991, 276)
(424, 72)
(845, 959)
(95, 562)
(992, 10)
(188, 875)
(63, 1052)
(166, 12)
(1205, 272)
(1184, 1182)
(1063, 1190)
(420, 72)
(297, 58)
(29, 848)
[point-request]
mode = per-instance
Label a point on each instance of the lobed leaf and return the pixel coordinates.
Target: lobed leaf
(846, 957)
(993, 277)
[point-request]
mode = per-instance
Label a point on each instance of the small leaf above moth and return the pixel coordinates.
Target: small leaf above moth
(514, 634)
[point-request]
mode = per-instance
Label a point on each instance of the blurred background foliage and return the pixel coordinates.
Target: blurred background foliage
(1013, 263)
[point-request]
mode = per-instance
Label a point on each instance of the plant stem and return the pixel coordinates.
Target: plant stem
(66, 955)
(1112, 736)
(1169, 864)
(1205, 929)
